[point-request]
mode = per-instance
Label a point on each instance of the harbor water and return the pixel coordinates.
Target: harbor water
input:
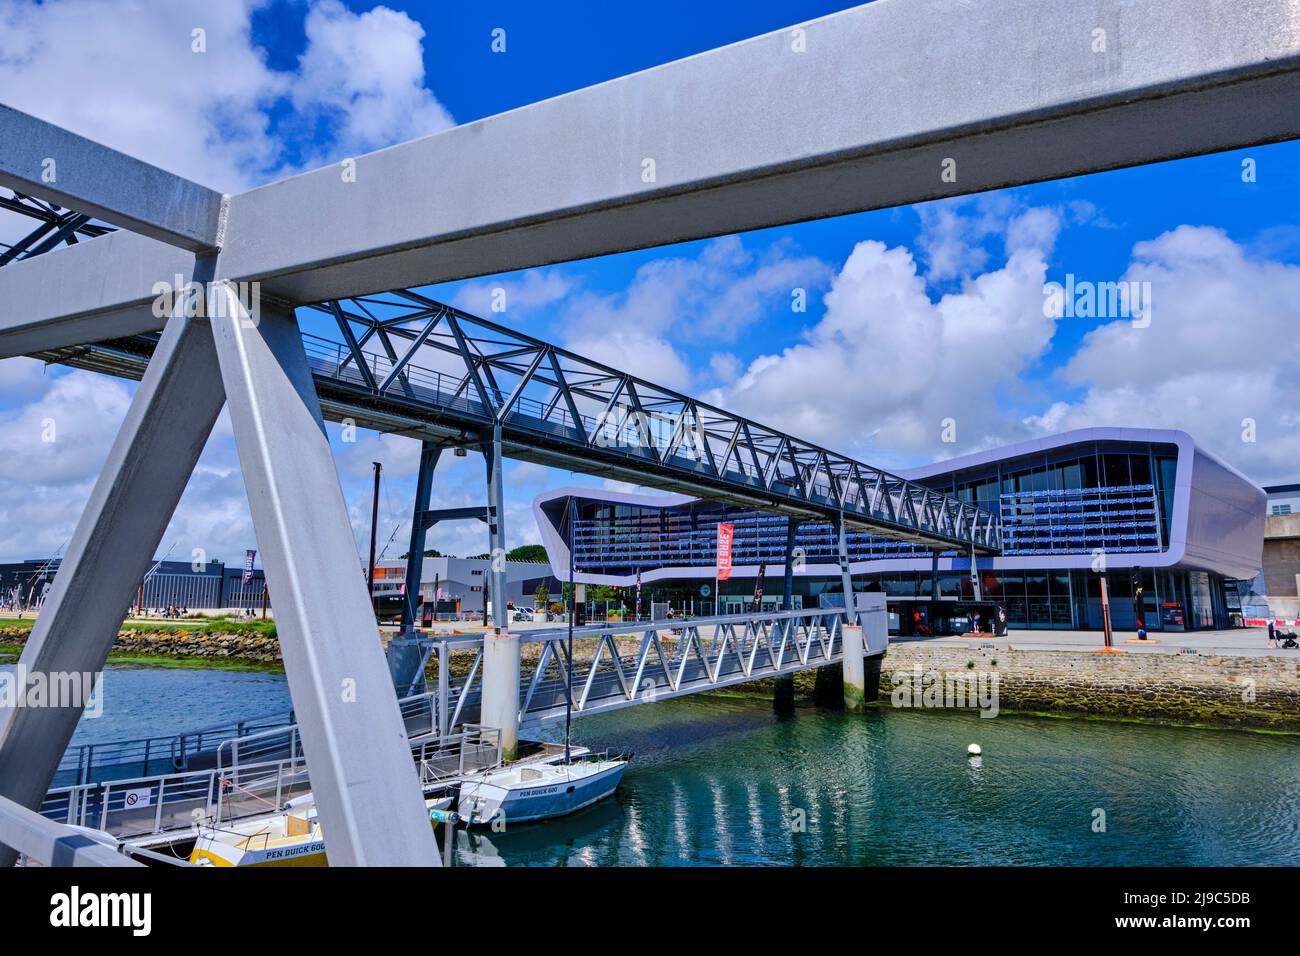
(720, 780)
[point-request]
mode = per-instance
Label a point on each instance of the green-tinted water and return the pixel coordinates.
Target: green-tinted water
(721, 781)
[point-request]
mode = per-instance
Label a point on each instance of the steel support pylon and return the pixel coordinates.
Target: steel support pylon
(137, 491)
(365, 786)
(846, 579)
(407, 652)
(500, 647)
(783, 692)
(429, 455)
(496, 526)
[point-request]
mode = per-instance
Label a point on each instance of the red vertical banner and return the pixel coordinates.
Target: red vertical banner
(725, 533)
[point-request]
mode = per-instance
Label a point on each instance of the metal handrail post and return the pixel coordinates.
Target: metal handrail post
(444, 690)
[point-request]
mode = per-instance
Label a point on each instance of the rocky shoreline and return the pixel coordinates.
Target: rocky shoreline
(1202, 689)
(223, 647)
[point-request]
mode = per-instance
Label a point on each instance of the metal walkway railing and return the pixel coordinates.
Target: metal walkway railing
(626, 664)
(239, 787)
(259, 763)
(197, 749)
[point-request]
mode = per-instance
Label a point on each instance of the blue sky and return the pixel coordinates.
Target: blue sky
(915, 315)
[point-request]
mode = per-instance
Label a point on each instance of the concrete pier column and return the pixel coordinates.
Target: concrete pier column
(783, 695)
(828, 689)
(871, 690)
(500, 708)
(854, 664)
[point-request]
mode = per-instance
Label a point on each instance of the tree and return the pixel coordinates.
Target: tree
(528, 552)
(525, 552)
(541, 597)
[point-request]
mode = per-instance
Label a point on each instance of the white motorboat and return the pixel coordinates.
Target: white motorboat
(539, 791)
(291, 837)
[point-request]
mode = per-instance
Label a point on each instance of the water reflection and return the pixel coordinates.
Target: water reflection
(720, 781)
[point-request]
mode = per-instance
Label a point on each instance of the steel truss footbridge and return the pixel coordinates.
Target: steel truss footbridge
(443, 375)
(873, 107)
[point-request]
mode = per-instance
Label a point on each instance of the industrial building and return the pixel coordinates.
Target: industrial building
(214, 585)
(1171, 527)
(24, 585)
(1275, 591)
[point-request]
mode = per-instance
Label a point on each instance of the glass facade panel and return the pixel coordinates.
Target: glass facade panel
(1016, 614)
(1140, 469)
(1115, 470)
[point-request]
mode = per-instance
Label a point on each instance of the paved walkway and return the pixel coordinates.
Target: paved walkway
(1243, 641)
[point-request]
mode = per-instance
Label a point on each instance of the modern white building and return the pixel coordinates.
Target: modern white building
(1177, 528)
(463, 580)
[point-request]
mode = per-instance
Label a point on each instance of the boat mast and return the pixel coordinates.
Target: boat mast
(568, 667)
(374, 527)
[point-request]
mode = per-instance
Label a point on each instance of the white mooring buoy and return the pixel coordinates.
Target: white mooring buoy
(974, 750)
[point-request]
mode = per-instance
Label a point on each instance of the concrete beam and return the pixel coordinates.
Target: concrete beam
(98, 289)
(47, 161)
(152, 458)
(882, 102)
(369, 798)
(757, 134)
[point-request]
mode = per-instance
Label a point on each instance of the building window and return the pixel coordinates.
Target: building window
(1281, 509)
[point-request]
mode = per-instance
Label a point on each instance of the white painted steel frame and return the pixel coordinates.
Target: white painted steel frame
(760, 646)
(881, 97)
